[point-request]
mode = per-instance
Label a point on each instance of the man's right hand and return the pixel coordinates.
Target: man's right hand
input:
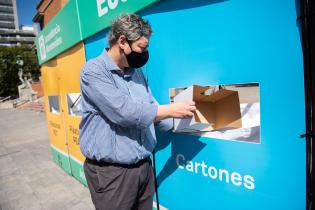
(176, 110)
(182, 109)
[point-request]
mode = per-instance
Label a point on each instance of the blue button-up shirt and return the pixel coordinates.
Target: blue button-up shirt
(118, 113)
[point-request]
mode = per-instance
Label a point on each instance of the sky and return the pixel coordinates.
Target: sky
(26, 10)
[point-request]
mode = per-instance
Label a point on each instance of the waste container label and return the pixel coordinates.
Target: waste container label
(97, 15)
(60, 33)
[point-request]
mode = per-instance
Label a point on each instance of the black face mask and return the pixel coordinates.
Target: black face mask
(137, 60)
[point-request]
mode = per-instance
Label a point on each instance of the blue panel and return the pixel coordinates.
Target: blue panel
(226, 42)
(95, 45)
(211, 42)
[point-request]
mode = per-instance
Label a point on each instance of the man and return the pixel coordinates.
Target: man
(117, 128)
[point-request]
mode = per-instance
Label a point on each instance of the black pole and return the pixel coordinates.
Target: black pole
(155, 183)
(308, 32)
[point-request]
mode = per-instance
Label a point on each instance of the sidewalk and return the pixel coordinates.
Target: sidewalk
(29, 179)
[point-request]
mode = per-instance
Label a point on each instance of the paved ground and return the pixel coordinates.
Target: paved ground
(29, 179)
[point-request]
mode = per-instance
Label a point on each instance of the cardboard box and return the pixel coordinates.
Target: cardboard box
(216, 109)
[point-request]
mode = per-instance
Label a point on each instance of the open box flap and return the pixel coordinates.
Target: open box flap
(218, 95)
(185, 95)
(216, 109)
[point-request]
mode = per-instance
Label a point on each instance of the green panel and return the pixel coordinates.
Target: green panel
(77, 170)
(61, 159)
(97, 15)
(79, 19)
(62, 32)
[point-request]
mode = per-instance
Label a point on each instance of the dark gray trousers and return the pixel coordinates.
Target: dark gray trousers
(120, 187)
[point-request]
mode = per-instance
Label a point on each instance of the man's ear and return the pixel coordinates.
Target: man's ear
(122, 42)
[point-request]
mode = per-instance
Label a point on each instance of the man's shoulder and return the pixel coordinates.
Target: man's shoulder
(94, 66)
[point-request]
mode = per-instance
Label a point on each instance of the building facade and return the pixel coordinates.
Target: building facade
(10, 33)
(46, 10)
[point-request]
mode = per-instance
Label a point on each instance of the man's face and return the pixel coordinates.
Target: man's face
(139, 45)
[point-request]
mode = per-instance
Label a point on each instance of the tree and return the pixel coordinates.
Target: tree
(9, 79)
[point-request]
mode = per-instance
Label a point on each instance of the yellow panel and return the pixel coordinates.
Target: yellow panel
(73, 137)
(55, 121)
(50, 78)
(57, 131)
(69, 67)
(70, 64)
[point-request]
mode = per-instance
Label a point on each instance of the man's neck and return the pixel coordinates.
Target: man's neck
(116, 55)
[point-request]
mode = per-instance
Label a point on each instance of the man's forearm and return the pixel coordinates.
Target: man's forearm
(163, 112)
(175, 110)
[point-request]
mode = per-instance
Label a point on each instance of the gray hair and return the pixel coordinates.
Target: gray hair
(131, 26)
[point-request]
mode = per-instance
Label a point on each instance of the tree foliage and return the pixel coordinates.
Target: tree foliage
(9, 79)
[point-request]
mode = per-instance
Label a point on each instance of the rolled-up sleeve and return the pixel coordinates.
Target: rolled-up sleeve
(117, 106)
(163, 125)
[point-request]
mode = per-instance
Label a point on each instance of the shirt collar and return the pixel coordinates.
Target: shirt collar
(113, 67)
